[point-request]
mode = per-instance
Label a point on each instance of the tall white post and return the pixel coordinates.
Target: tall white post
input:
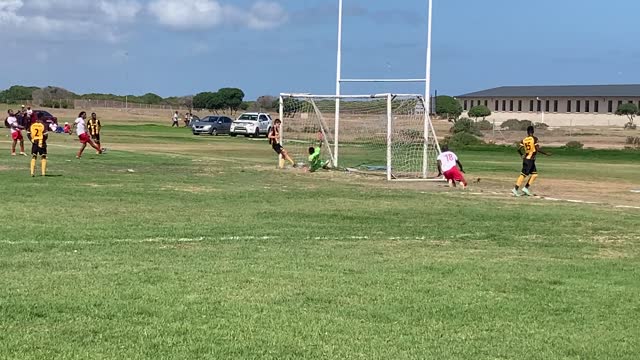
(389, 138)
(281, 116)
(427, 96)
(336, 131)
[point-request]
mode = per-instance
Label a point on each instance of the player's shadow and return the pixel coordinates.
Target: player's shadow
(53, 175)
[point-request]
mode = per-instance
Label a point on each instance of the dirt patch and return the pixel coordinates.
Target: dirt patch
(190, 189)
(94, 185)
(608, 254)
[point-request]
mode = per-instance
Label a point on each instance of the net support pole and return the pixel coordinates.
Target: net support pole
(336, 131)
(389, 130)
(427, 95)
(281, 114)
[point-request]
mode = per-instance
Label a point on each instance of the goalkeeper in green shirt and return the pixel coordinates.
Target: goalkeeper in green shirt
(315, 162)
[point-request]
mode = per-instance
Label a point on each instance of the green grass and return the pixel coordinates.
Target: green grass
(215, 254)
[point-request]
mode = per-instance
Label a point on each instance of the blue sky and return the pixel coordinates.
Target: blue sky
(180, 47)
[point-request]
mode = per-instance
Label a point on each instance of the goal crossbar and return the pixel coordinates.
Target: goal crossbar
(338, 97)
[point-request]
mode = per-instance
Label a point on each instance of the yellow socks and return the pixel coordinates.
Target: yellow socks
(532, 179)
(281, 163)
(520, 181)
(33, 167)
(44, 167)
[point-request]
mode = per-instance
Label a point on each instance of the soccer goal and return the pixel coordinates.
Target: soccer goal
(384, 134)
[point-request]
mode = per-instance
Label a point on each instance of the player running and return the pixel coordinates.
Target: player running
(274, 140)
(39, 136)
(94, 126)
(16, 133)
(83, 136)
(448, 165)
(531, 148)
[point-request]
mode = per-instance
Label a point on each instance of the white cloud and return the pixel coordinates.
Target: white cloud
(266, 15)
(63, 18)
(120, 10)
(204, 14)
(187, 14)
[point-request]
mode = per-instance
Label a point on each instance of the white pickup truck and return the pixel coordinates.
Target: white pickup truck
(252, 124)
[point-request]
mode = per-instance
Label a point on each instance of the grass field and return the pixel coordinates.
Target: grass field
(179, 247)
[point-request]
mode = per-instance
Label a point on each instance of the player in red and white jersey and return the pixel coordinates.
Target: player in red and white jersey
(83, 135)
(448, 165)
(16, 133)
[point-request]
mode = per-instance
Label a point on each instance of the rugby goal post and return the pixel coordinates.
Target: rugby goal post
(383, 134)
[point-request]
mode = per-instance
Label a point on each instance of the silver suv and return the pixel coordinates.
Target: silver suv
(252, 124)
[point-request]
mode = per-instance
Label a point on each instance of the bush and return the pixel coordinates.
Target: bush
(516, 125)
(484, 125)
(462, 139)
(465, 125)
(411, 134)
(541, 126)
(574, 145)
(630, 126)
(633, 140)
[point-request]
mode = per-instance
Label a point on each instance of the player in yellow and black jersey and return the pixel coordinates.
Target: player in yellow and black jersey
(93, 128)
(531, 148)
(39, 136)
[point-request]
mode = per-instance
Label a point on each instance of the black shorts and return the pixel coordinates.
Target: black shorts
(38, 150)
(96, 137)
(529, 167)
(277, 148)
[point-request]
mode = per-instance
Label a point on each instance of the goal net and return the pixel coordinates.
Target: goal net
(383, 134)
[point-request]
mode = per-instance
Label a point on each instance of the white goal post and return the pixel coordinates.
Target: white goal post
(385, 134)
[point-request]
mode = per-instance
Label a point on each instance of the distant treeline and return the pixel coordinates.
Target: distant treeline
(52, 95)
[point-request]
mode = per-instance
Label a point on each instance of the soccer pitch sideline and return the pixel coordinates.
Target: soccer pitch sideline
(175, 246)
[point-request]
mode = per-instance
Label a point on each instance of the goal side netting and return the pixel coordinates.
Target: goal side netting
(386, 134)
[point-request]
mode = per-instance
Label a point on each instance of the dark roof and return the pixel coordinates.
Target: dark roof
(559, 91)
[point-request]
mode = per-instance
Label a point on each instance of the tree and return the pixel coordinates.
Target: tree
(267, 102)
(17, 93)
(448, 107)
(290, 106)
(629, 110)
(216, 102)
(201, 100)
(150, 98)
(231, 98)
(479, 111)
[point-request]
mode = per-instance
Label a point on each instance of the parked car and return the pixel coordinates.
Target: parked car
(48, 118)
(212, 125)
(252, 124)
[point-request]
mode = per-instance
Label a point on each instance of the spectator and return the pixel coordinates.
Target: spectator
(176, 120)
(67, 128)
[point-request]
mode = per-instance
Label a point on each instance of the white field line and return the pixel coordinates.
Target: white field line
(160, 240)
(548, 198)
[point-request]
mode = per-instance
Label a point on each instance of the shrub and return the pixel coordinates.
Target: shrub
(484, 125)
(516, 125)
(462, 139)
(465, 125)
(411, 134)
(630, 126)
(541, 126)
(633, 140)
(574, 145)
